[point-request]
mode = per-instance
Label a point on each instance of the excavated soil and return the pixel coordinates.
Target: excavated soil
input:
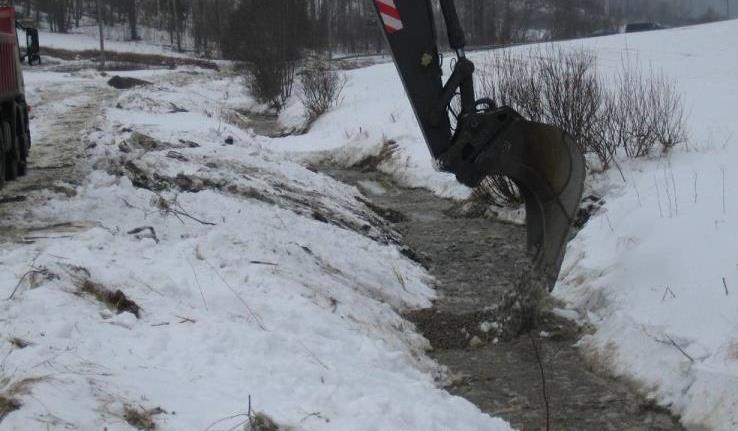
(477, 262)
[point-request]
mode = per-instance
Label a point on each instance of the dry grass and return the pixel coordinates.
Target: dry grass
(8, 406)
(141, 418)
(114, 300)
(9, 393)
(261, 422)
(733, 350)
(371, 164)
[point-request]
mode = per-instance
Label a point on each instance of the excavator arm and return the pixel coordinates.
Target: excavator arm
(543, 161)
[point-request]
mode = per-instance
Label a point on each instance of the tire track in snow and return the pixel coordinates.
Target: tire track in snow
(62, 112)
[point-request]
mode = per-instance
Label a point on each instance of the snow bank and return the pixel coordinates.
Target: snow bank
(258, 281)
(656, 270)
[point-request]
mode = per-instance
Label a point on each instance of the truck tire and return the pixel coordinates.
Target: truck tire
(11, 156)
(2, 155)
(24, 141)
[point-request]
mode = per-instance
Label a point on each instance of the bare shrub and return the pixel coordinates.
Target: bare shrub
(572, 95)
(511, 80)
(271, 44)
(321, 89)
(498, 189)
(667, 113)
(272, 80)
(556, 87)
(646, 113)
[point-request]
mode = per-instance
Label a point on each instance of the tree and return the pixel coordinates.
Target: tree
(101, 30)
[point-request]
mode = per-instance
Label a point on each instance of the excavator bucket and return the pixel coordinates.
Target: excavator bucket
(543, 161)
(548, 168)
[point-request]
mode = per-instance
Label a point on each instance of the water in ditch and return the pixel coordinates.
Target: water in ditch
(476, 261)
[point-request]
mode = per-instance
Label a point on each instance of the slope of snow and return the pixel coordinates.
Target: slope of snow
(656, 271)
(260, 284)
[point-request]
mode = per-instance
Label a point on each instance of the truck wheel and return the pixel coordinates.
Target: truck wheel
(2, 155)
(11, 156)
(24, 140)
(23, 162)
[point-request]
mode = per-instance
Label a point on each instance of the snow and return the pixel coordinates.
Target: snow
(81, 42)
(656, 271)
(117, 38)
(269, 307)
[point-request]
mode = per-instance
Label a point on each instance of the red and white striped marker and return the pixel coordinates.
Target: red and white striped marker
(390, 15)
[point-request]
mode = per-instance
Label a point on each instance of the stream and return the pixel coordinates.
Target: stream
(476, 261)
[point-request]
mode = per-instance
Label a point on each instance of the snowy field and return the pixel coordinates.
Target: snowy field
(86, 38)
(656, 271)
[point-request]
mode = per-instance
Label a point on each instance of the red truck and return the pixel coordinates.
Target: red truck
(15, 138)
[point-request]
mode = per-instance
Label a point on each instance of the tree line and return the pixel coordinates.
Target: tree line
(242, 28)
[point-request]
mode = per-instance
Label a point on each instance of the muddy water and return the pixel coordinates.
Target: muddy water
(476, 261)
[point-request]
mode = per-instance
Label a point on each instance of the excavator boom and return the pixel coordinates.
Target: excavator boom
(543, 161)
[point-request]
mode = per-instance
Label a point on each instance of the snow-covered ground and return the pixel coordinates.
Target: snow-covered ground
(84, 34)
(656, 271)
(258, 283)
(290, 301)
(87, 38)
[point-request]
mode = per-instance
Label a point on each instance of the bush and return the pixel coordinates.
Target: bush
(272, 80)
(321, 89)
(653, 113)
(555, 87)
